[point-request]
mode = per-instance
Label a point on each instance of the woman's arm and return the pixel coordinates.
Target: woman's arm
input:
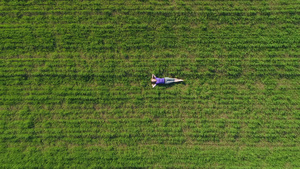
(153, 76)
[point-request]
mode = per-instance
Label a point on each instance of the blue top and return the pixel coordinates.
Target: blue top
(160, 80)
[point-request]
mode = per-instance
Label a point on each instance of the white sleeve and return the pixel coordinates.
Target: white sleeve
(153, 85)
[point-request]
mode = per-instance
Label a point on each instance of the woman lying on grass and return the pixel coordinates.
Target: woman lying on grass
(167, 80)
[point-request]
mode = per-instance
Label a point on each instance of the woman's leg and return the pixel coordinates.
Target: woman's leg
(172, 80)
(178, 80)
(169, 80)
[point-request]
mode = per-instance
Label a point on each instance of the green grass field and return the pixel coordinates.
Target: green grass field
(75, 84)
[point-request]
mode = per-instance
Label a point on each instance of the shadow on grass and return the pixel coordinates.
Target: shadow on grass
(171, 84)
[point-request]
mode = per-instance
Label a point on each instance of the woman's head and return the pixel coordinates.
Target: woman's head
(153, 81)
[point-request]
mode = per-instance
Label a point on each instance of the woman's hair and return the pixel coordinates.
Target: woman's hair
(153, 81)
